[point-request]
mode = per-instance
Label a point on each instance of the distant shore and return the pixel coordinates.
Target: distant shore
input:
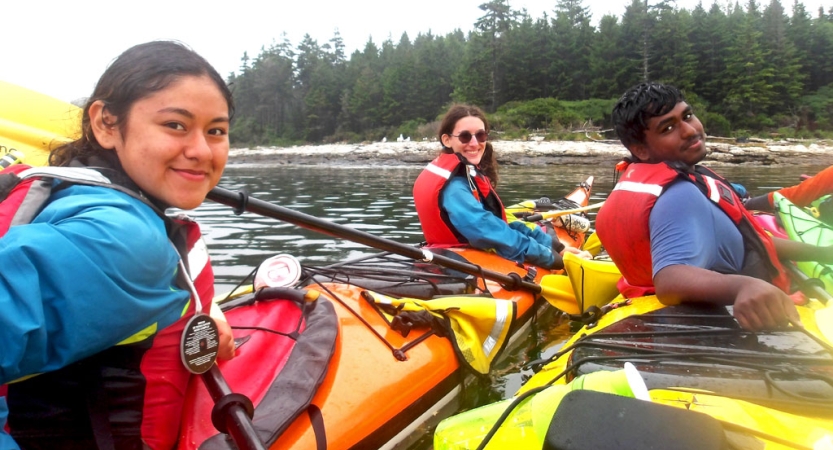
(721, 152)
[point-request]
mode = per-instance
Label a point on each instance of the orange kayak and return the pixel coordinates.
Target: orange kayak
(385, 384)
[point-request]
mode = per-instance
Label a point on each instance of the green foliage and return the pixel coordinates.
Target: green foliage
(533, 114)
(751, 93)
(715, 124)
(674, 61)
(747, 64)
(572, 40)
(549, 113)
(609, 74)
(410, 129)
(817, 109)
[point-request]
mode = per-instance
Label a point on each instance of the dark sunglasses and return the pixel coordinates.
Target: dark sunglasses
(465, 136)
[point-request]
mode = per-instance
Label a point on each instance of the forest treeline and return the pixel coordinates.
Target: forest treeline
(748, 69)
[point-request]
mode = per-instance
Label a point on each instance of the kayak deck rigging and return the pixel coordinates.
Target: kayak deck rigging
(396, 276)
(790, 368)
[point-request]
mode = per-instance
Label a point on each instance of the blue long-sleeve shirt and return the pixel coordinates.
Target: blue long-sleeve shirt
(92, 269)
(484, 230)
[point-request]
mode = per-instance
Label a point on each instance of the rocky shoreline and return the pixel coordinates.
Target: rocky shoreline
(721, 152)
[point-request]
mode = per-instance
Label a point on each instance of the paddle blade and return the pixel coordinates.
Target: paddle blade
(593, 245)
(34, 124)
(824, 322)
(593, 281)
(548, 215)
(558, 291)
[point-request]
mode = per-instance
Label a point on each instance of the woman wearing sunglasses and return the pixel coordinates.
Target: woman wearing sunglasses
(457, 203)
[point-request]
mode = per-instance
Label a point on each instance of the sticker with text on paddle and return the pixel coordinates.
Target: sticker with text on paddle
(200, 341)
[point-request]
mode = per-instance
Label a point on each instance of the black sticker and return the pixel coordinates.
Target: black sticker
(200, 341)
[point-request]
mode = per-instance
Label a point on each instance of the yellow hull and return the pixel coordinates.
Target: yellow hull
(804, 420)
(34, 124)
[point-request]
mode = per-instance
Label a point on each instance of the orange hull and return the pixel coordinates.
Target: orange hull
(368, 397)
(372, 397)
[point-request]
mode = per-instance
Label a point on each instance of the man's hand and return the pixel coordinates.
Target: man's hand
(577, 251)
(799, 251)
(757, 304)
(760, 305)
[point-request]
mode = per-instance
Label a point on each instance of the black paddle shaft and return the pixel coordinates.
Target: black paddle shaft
(232, 413)
(240, 201)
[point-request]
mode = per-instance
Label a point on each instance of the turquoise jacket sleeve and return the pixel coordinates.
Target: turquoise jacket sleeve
(484, 230)
(6, 441)
(94, 268)
(536, 233)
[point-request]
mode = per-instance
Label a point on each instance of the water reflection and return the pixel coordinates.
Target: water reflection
(379, 200)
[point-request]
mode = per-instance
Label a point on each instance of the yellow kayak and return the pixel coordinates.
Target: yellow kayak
(765, 390)
(32, 124)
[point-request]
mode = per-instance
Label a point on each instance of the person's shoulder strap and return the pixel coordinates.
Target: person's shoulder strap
(79, 175)
(76, 175)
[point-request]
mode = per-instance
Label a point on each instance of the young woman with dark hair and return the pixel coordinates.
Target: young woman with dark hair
(457, 203)
(100, 286)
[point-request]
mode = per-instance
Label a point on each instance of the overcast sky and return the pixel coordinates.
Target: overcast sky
(60, 48)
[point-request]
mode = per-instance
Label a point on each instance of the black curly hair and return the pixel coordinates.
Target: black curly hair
(638, 105)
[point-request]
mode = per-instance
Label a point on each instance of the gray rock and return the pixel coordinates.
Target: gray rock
(525, 153)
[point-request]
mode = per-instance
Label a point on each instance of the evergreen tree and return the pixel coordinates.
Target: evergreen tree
(398, 84)
(753, 64)
(820, 55)
(473, 79)
(710, 39)
(787, 79)
(799, 31)
(266, 106)
(244, 63)
(436, 60)
(750, 93)
(674, 61)
(499, 18)
(753, 13)
(572, 38)
(337, 53)
(319, 89)
(636, 27)
(609, 70)
(362, 99)
(526, 60)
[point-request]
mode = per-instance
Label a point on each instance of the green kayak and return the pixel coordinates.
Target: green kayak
(803, 226)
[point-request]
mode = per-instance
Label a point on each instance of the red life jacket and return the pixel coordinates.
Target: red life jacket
(127, 395)
(437, 228)
(25, 189)
(623, 225)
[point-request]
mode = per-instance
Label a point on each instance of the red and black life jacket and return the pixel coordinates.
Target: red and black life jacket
(436, 226)
(623, 224)
(128, 396)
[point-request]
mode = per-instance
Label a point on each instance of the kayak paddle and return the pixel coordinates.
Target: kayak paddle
(557, 290)
(805, 283)
(810, 287)
(33, 123)
(558, 213)
(552, 290)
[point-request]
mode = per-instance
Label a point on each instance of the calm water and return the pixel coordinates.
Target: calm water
(379, 200)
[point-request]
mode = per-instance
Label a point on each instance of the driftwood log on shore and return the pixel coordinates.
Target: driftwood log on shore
(721, 152)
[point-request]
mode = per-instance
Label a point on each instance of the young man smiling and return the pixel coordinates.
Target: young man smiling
(678, 229)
